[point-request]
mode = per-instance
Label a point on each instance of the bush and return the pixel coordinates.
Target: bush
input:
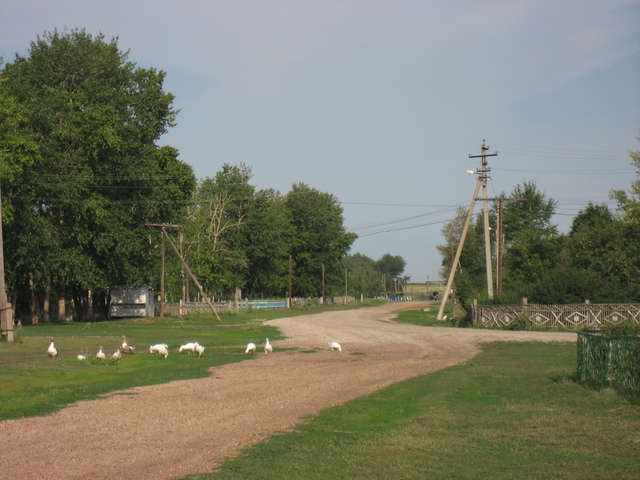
(622, 329)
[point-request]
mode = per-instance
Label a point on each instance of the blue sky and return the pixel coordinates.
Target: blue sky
(381, 102)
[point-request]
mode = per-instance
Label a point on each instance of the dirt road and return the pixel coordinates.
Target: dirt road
(164, 431)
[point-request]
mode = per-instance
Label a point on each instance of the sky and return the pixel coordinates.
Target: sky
(381, 103)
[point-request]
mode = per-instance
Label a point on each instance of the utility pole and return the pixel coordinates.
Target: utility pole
(456, 260)
(6, 320)
(487, 235)
(499, 244)
(290, 281)
(184, 264)
(323, 302)
(482, 180)
(346, 285)
(500, 239)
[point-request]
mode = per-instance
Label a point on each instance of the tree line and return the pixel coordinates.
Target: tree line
(85, 185)
(597, 260)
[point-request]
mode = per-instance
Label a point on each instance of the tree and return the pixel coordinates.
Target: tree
(599, 247)
(217, 220)
(100, 176)
(319, 239)
(270, 232)
(391, 267)
(364, 275)
(533, 214)
(18, 149)
(629, 203)
(532, 242)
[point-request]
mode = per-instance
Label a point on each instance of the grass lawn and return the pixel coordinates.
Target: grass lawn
(31, 384)
(512, 412)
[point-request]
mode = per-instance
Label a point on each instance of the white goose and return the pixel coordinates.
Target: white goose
(199, 350)
(125, 347)
(335, 347)
(267, 347)
(163, 352)
(117, 356)
(82, 356)
(100, 355)
(188, 347)
(251, 348)
(158, 347)
(51, 351)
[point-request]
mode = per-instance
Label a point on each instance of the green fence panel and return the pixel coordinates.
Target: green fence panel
(612, 362)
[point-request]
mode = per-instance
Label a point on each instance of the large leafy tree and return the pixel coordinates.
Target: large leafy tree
(532, 243)
(217, 222)
(605, 245)
(600, 246)
(391, 267)
(100, 176)
(269, 233)
(319, 239)
(532, 212)
(364, 277)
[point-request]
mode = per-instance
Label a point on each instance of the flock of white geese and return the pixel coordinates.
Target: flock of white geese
(162, 349)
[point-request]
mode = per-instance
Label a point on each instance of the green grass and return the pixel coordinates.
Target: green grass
(512, 412)
(31, 384)
(427, 317)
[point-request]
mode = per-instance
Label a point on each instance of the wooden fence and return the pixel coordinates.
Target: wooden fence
(580, 316)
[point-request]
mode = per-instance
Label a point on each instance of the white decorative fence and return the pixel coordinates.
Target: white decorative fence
(584, 316)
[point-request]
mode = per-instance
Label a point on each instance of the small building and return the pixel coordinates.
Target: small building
(131, 301)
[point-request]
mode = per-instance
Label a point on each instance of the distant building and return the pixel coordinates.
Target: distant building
(131, 301)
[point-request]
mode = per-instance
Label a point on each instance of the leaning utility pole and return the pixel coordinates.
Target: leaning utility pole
(482, 180)
(185, 266)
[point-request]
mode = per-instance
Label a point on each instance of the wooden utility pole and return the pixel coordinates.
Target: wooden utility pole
(6, 320)
(500, 239)
(323, 284)
(482, 180)
(499, 244)
(162, 275)
(164, 226)
(290, 281)
(483, 176)
(456, 260)
(346, 285)
(193, 277)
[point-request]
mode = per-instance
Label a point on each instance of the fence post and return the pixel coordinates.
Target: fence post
(607, 368)
(474, 311)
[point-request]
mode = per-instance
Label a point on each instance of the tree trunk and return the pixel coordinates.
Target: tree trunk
(99, 305)
(68, 310)
(46, 306)
(61, 308)
(81, 304)
(14, 301)
(33, 304)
